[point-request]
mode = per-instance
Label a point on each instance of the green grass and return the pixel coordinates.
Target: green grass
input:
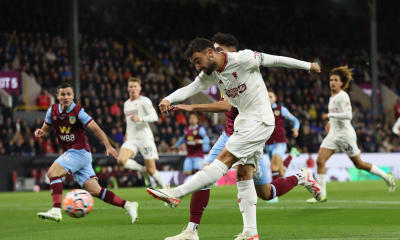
(355, 210)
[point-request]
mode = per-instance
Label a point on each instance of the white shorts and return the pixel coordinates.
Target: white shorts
(147, 148)
(346, 144)
(248, 141)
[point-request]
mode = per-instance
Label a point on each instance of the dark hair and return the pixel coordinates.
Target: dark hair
(345, 74)
(225, 39)
(64, 85)
(197, 45)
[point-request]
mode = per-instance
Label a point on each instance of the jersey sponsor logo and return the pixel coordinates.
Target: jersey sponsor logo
(65, 129)
(235, 75)
(67, 137)
(277, 112)
(72, 119)
(54, 118)
(234, 92)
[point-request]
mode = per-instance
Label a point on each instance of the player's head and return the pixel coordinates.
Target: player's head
(272, 96)
(340, 78)
(201, 52)
(193, 119)
(134, 87)
(65, 94)
(225, 42)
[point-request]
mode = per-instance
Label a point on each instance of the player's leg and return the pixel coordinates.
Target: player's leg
(152, 170)
(199, 199)
(247, 199)
(188, 166)
(360, 164)
(126, 154)
(55, 173)
(277, 168)
(86, 177)
(293, 153)
(149, 152)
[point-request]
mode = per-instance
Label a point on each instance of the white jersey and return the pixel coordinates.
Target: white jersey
(396, 127)
(143, 108)
(241, 83)
(340, 114)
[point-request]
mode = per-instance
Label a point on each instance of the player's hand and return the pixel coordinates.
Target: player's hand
(135, 118)
(324, 116)
(164, 106)
(315, 67)
(327, 127)
(112, 151)
(295, 132)
(184, 107)
(198, 141)
(39, 133)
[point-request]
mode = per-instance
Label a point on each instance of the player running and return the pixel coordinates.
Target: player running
(139, 111)
(341, 134)
(237, 75)
(197, 142)
(69, 121)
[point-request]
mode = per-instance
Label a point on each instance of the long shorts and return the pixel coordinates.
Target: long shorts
(192, 163)
(276, 149)
(346, 144)
(261, 175)
(147, 148)
(79, 163)
(248, 140)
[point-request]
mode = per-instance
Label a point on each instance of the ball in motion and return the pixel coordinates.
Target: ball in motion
(77, 203)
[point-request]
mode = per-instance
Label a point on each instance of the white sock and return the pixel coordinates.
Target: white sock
(247, 198)
(133, 165)
(205, 177)
(322, 182)
(157, 177)
(377, 171)
(192, 226)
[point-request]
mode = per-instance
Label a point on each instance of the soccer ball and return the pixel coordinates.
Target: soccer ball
(77, 203)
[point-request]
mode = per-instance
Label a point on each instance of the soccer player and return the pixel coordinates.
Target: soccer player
(197, 142)
(69, 121)
(139, 111)
(276, 144)
(341, 135)
(223, 43)
(237, 75)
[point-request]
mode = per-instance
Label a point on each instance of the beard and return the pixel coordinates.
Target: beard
(211, 66)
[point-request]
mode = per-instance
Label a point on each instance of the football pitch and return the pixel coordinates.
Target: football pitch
(355, 210)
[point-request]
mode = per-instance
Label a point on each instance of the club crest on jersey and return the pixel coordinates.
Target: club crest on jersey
(235, 75)
(54, 118)
(195, 132)
(277, 112)
(72, 119)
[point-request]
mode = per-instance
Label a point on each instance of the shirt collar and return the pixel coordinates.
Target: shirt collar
(274, 105)
(69, 109)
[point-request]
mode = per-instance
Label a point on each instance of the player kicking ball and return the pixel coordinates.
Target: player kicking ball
(341, 134)
(69, 121)
(237, 75)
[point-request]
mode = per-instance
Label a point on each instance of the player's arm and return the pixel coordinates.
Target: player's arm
(201, 83)
(396, 127)
(87, 121)
(296, 124)
(94, 127)
(345, 107)
(220, 106)
(205, 141)
(46, 127)
(151, 114)
(179, 142)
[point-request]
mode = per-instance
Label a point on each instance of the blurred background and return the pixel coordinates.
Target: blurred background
(98, 45)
